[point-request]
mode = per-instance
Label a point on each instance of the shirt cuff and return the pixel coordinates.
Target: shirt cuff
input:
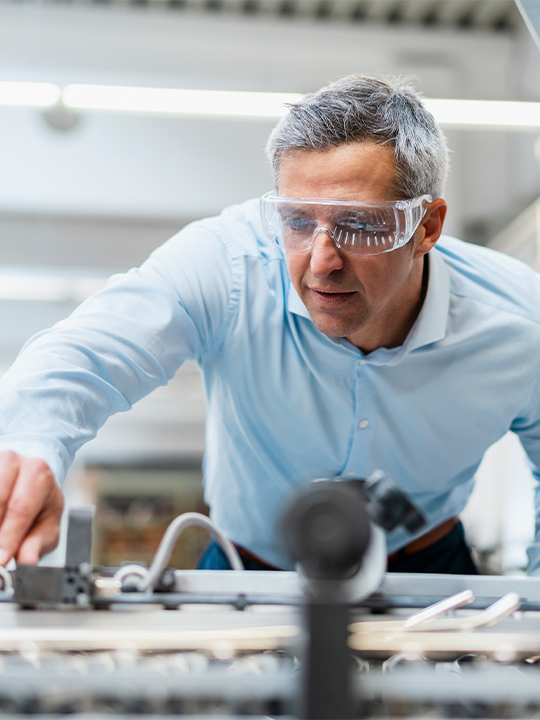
(49, 450)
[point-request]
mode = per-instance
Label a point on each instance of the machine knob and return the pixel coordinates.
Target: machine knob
(327, 531)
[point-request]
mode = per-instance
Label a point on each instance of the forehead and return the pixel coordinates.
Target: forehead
(355, 171)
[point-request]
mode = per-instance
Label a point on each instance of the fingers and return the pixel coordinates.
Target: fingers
(32, 505)
(9, 470)
(45, 533)
(30, 551)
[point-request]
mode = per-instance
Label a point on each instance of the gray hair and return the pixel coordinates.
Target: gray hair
(384, 110)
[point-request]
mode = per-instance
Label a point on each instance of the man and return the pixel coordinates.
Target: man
(353, 343)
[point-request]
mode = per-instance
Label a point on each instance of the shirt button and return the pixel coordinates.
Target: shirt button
(351, 472)
(363, 362)
(363, 424)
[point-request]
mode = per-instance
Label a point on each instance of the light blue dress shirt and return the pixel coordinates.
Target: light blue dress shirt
(286, 403)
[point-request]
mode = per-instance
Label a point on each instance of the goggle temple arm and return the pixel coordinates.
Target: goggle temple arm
(414, 215)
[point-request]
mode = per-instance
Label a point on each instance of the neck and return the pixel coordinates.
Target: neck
(391, 329)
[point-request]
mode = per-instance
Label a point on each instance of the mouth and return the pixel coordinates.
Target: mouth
(331, 298)
(333, 292)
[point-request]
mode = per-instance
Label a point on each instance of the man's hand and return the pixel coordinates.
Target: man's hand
(31, 506)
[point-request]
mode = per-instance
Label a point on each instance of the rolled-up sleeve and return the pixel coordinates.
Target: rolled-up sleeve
(117, 347)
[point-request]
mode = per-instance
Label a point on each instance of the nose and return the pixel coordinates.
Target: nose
(325, 256)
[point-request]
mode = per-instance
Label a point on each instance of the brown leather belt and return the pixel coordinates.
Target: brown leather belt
(424, 541)
(421, 543)
(247, 555)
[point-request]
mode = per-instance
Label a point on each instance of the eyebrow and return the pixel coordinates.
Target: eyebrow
(286, 210)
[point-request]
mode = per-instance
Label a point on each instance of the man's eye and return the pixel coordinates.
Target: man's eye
(298, 224)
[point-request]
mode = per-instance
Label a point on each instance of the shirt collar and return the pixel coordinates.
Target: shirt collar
(431, 323)
(294, 303)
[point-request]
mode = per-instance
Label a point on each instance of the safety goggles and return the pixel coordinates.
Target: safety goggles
(359, 228)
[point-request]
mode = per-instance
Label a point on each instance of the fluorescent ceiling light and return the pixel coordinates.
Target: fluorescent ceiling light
(29, 94)
(48, 288)
(468, 114)
(221, 103)
(496, 114)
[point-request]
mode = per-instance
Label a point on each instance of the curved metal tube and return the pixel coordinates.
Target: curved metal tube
(172, 534)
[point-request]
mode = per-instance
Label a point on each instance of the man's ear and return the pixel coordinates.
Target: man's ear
(430, 228)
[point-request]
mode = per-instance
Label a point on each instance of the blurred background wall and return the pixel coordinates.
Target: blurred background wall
(86, 194)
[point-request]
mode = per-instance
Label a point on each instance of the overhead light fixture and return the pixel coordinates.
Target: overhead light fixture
(465, 114)
(486, 114)
(29, 94)
(220, 103)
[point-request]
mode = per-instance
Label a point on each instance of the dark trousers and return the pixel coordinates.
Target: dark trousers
(450, 555)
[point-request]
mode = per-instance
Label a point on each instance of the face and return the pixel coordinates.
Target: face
(367, 299)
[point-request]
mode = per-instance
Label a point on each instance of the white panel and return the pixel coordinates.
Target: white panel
(501, 508)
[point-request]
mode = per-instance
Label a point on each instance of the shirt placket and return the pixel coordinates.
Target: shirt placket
(358, 461)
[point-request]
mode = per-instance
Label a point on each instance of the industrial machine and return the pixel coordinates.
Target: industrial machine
(336, 639)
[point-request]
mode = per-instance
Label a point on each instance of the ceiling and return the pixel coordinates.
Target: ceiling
(494, 15)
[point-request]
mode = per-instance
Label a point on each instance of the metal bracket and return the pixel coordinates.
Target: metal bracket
(68, 585)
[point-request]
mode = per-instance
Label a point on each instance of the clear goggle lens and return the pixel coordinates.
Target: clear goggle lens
(355, 227)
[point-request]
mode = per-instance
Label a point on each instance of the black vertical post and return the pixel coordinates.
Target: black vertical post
(327, 531)
(326, 692)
